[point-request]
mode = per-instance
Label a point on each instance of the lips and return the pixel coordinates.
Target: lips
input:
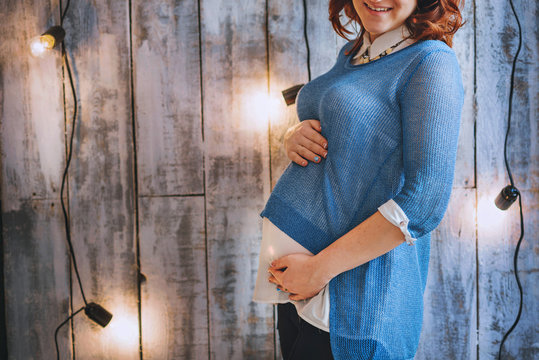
(372, 8)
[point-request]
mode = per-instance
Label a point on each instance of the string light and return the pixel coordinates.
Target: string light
(254, 100)
(39, 46)
(291, 93)
(123, 330)
(42, 44)
(510, 193)
(506, 197)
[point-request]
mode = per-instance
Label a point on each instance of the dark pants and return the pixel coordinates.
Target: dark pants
(299, 339)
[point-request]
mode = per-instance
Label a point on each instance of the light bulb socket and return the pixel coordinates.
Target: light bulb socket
(291, 93)
(506, 197)
(57, 32)
(98, 314)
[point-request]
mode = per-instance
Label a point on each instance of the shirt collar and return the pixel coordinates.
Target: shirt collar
(382, 42)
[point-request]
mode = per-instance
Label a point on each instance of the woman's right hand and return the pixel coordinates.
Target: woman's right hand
(304, 142)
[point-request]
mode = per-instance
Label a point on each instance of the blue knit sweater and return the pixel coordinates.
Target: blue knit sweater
(392, 127)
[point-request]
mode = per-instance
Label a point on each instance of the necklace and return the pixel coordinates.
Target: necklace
(365, 57)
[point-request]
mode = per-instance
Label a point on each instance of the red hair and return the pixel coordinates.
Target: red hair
(431, 20)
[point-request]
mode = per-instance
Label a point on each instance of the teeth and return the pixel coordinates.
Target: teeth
(377, 9)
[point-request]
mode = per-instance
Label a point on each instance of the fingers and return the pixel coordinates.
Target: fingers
(313, 134)
(275, 276)
(303, 142)
(297, 159)
(309, 155)
(315, 124)
(300, 154)
(280, 263)
(311, 139)
(273, 280)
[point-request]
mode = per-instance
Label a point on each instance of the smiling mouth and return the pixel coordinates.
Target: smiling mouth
(377, 9)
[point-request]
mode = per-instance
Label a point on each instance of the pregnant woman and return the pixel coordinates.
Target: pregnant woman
(346, 230)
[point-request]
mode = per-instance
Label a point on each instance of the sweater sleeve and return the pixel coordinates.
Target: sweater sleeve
(431, 104)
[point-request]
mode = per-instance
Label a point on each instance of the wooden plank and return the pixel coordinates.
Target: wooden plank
(167, 100)
(173, 259)
(36, 278)
(449, 320)
(463, 45)
(32, 134)
(498, 233)
(101, 178)
(288, 67)
(497, 41)
(288, 63)
(36, 268)
(236, 161)
(323, 41)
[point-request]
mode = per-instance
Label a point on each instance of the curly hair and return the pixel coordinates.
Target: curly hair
(431, 20)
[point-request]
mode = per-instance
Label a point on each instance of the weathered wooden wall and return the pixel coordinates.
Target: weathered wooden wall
(177, 150)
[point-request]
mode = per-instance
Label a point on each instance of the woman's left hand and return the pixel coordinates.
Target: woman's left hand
(298, 274)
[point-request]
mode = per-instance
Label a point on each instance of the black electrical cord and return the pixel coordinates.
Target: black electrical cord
(65, 57)
(58, 329)
(64, 12)
(306, 39)
(66, 170)
(515, 258)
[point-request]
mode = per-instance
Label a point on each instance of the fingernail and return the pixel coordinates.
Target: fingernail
(325, 154)
(316, 158)
(272, 263)
(325, 145)
(304, 163)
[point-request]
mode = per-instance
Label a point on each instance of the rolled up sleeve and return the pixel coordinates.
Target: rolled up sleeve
(431, 105)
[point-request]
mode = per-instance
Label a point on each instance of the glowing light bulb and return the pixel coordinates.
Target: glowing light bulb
(257, 108)
(39, 45)
(123, 329)
(492, 221)
(42, 44)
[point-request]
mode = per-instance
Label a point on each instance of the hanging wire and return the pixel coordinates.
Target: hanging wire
(511, 95)
(65, 57)
(66, 170)
(306, 39)
(58, 329)
(64, 12)
(515, 257)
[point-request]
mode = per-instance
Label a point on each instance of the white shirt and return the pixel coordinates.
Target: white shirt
(383, 42)
(276, 243)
